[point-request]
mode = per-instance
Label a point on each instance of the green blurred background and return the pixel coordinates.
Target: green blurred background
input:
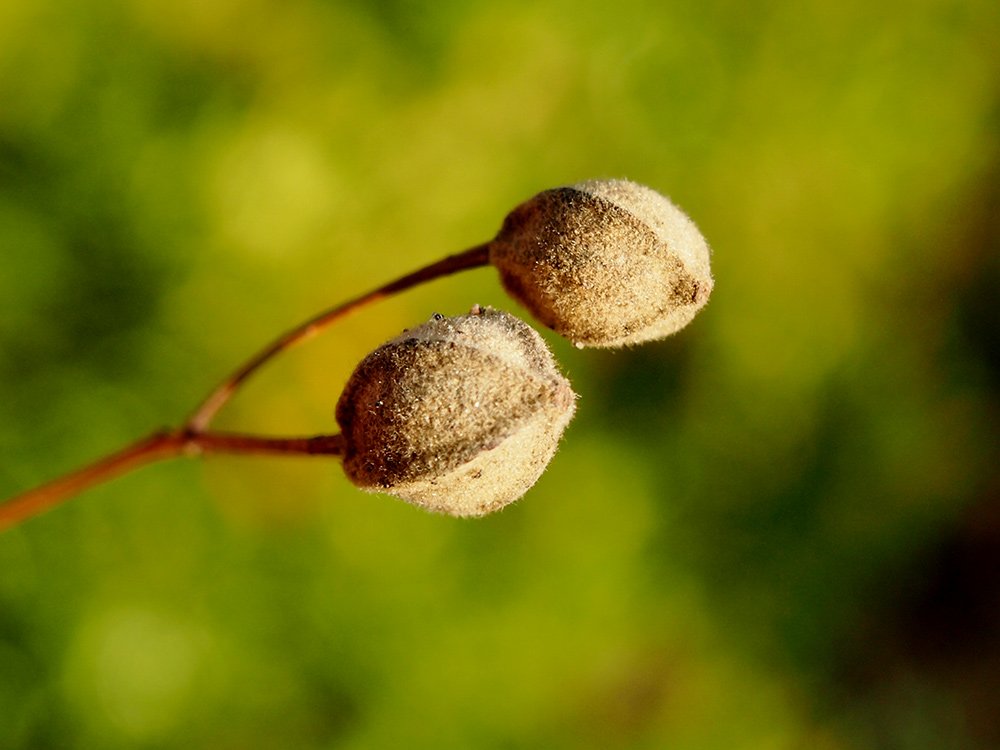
(778, 529)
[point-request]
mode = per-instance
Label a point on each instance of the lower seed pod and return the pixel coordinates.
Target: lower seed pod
(604, 262)
(460, 415)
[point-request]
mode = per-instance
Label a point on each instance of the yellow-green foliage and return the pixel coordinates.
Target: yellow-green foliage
(775, 529)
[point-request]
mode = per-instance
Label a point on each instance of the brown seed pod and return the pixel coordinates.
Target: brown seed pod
(604, 262)
(460, 415)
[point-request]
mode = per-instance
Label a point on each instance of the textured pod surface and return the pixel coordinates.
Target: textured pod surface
(460, 415)
(604, 262)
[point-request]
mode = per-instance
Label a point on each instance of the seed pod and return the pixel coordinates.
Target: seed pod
(604, 262)
(460, 415)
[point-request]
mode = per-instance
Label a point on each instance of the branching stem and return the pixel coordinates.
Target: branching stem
(194, 438)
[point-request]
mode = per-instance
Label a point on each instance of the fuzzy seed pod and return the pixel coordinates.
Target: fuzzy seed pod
(460, 415)
(604, 262)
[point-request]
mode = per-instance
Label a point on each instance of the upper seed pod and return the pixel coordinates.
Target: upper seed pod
(604, 262)
(460, 415)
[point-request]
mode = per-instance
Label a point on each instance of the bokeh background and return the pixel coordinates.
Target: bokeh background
(777, 529)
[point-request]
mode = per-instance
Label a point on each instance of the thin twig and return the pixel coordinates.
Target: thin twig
(193, 438)
(472, 258)
(157, 447)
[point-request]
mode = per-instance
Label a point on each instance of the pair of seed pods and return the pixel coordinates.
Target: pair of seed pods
(462, 415)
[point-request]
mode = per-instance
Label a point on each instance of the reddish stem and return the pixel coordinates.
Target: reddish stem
(193, 438)
(472, 258)
(158, 446)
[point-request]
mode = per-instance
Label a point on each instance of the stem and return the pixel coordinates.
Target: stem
(157, 447)
(472, 258)
(193, 439)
